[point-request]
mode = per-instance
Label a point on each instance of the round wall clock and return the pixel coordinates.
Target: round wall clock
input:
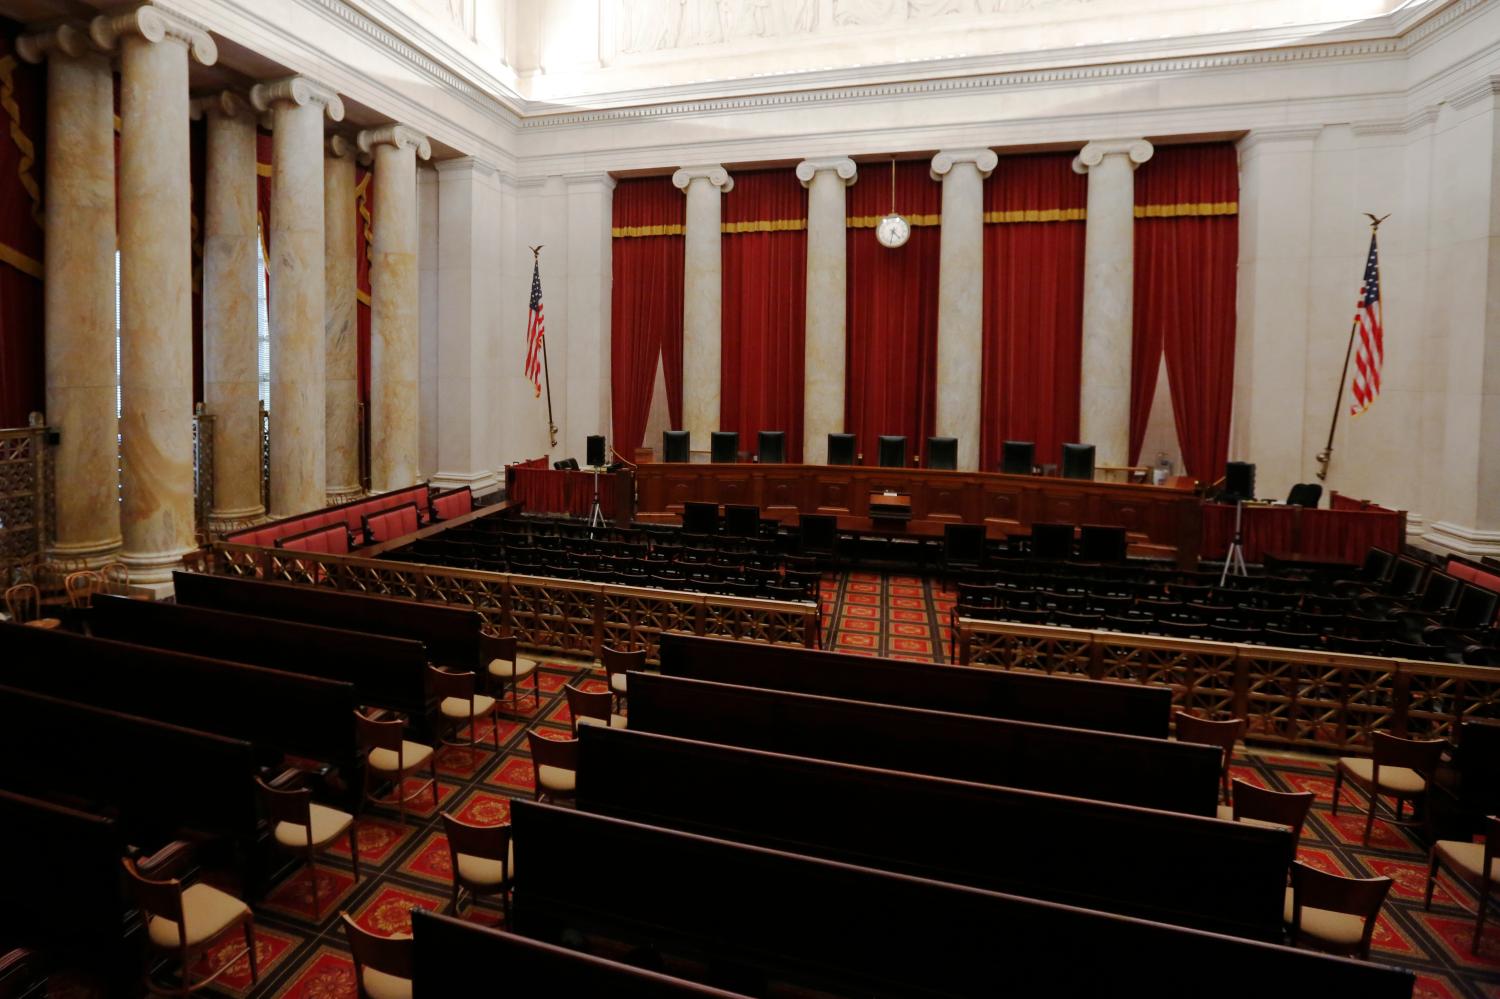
(892, 231)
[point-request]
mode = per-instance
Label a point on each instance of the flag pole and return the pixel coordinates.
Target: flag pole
(536, 256)
(1326, 455)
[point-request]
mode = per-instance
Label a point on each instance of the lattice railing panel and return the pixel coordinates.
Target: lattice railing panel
(636, 617)
(553, 614)
(1035, 648)
(1440, 698)
(1201, 674)
(757, 621)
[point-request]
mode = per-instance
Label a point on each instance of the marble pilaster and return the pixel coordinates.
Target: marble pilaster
(394, 430)
(156, 359)
(827, 270)
(79, 297)
(961, 297)
(703, 293)
(1108, 295)
(341, 360)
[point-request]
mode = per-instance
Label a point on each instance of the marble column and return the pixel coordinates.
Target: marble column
(702, 298)
(1108, 295)
(298, 412)
(394, 429)
(156, 270)
(79, 297)
(961, 297)
(341, 360)
(823, 380)
(230, 350)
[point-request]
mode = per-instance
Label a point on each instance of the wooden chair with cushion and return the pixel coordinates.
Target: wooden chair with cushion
(1476, 863)
(482, 859)
(592, 708)
(1262, 807)
(555, 763)
(461, 704)
(81, 587)
(382, 965)
(1332, 913)
(185, 921)
(389, 756)
(618, 662)
(23, 602)
(497, 653)
(1400, 769)
(300, 825)
(1224, 734)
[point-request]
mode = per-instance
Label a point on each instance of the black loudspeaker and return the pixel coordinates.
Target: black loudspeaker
(675, 446)
(892, 452)
(840, 449)
(1239, 480)
(596, 451)
(942, 453)
(724, 447)
(772, 447)
(1078, 461)
(1018, 457)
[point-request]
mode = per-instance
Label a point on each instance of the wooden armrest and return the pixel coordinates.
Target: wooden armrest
(168, 862)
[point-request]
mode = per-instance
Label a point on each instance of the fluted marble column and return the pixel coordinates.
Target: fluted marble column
(298, 412)
(702, 297)
(156, 270)
(961, 297)
(827, 269)
(1108, 295)
(394, 427)
(341, 358)
(79, 295)
(230, 352)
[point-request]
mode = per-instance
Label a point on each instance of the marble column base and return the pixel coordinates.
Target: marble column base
(342, 495)
(153, 567)
(83, 556)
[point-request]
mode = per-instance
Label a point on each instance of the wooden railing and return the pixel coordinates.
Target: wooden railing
(558, 615)
(1288, 696)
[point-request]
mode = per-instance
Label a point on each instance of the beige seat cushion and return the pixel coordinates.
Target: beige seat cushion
(327, 825)
(458, 707)
(206, 912)
(415, 754)
(556, 779)
(379, 985)
(617, 683)
(521, 667)
(1397, 779)
(482, 871)
(1226, 812)
(1341, 929)
(615, 721)
(1468, 858)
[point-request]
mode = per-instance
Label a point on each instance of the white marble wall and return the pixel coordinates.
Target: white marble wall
(429, 322)
(590, 199)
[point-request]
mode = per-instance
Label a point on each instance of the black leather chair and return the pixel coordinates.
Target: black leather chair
(1078, 461)
(567, 464)
(676, 445)
(841, 449)
(1305, 494)
(772, 447)
(1100, 543)
(1052, 540)
(819, 533)
(892, 451)
(942, 453)
(1018, 457)
(724, 448)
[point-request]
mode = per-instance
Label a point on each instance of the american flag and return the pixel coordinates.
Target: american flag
(535, 330)
(1369, 348)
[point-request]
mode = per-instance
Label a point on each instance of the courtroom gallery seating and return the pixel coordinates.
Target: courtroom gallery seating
(1399, 769)
(1333, 913)
(1210, 732)
(184, 921)
(304, 827)
(498, 656)
(391, 758)
(1476, 864)
(589, 707)
(555, 764)
(382, 964)
(482, 859)
(460, 703)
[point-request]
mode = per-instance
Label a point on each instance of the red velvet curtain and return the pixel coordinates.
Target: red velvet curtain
(1186, 262)
(765, 307)
(646, 304)
(198, 175)
(891, 346)
(23, 90)
(1034, 213)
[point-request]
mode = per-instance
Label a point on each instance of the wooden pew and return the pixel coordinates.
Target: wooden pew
(1127, 769)
(1128, 709)
(278, 713)
(448, 951)
(825, 925)
(386, 672)
(451, 634)
(1182, 869)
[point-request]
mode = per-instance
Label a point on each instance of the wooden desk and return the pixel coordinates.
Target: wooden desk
(1166, 517)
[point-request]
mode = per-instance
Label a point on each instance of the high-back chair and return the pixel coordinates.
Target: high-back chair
(1400, 769)
(482, 860)
(382, 965)
(591, 708)
(460, 703)
(1334, 914)
(116, 579)
(81, 587)
(497, 654)
(185, 921)
(390, 757)
(618, 662)
(555, 763)
(1476, 863)
(23, 602)
(1260, 806)
(1224, 734)
(302, 826)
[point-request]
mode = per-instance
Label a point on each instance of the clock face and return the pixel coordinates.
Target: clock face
(892, 231)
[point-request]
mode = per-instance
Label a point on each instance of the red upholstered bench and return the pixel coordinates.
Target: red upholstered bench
(331, 539)
(453, 503)
(1473, 574)
(395, 523)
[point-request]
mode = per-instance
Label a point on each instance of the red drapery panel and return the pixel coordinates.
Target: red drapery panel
(550, 490)
(23, 89)
(891, 346)
(765, 307)
(646, 304)
(1342, 535)
(1186, 261)
(1034, 213)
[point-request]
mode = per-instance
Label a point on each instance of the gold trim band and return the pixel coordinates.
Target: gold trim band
(871, 221)
(1187, 210)
(633, 231)
(1037, 215)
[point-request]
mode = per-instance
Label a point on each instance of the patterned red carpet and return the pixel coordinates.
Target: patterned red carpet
(864, 612)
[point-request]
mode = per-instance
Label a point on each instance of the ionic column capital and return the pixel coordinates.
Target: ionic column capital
(984, 161)
(70, 39)
(153, 24)
(297, 91)
(224, 104)
(1137, 151)
(713, 173)
(341, 147)
(397, 135)
(840, 166)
